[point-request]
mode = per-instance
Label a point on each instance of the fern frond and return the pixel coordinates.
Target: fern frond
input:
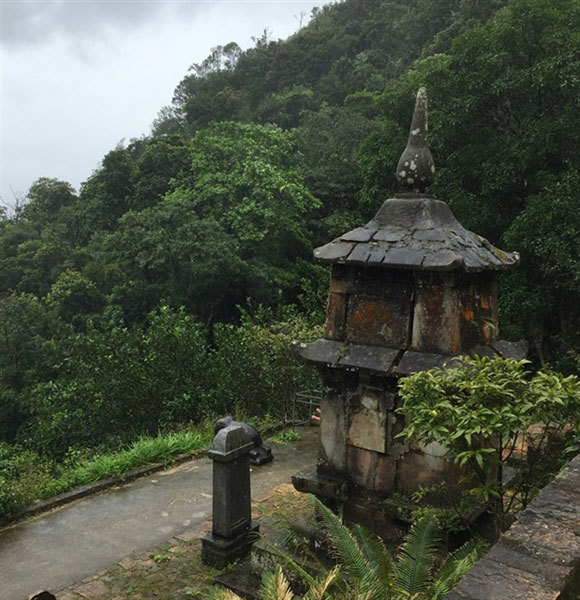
(275, 586)
(455, 567)
(358, 571)
(416, 556)
(318, 590)
(376, 553)
(292, 564)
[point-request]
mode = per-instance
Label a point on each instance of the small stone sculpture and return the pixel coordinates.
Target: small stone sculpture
(261, 454)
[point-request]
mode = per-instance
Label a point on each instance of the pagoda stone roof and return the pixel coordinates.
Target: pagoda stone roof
(392, 362)
(416, 231)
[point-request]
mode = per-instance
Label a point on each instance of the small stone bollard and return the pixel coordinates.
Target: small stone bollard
(260, 453)
(233, 531)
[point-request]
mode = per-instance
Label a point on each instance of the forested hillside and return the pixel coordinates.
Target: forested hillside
(134, 304)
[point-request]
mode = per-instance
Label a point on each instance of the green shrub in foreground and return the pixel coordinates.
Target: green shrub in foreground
(482, 411)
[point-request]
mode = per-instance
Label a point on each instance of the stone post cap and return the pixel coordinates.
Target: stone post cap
(230, 443)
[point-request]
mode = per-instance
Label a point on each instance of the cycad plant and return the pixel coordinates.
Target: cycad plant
(275, 586)
(366, 571)
(419, 570)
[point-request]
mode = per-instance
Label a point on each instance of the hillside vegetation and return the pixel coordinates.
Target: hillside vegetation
(134, 304)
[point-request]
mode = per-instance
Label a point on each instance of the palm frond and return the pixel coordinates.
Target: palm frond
(376, 553)
(275, 586)
(292, 564)
(224, 594)
(319, 588)
(356, 568)
(416, 556)
(455, 567)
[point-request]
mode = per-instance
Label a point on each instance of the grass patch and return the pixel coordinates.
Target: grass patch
(26, 477)
(285, 437)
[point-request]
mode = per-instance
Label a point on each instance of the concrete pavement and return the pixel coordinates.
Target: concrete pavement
(57, 549)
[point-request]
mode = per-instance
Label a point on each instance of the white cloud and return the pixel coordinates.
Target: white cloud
(77, 77)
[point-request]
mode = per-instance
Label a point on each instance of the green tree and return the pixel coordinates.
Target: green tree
(551, 263)
(74, 298)
(45, 198)
(166, 253)
(244, 177)
(164, 159)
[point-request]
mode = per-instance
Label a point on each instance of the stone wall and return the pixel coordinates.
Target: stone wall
(538, 557)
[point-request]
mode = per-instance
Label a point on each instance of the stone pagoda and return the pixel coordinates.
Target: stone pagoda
(408, 291)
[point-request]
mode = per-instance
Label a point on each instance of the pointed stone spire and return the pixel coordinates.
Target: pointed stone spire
(416, 170)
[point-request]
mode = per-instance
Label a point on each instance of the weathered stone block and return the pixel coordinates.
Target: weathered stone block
(335, 325)
(370, 359)
(543, 538)
(561, 504)
(368, 427)
(384, 283)
(433, 449)
(322, 351)
(489, 579)
(417, 469)
(360, 465)
(413, 361)
(385, 473)
(554, 575)
(333, 430)
(341, 284)
(310, 481)
(436, 320)
(231, 481)
(232, 526)
(221, 551)
(396, 446)
(381, 321)
(569, 478)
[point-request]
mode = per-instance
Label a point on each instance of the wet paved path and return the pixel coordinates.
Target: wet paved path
(59, 548)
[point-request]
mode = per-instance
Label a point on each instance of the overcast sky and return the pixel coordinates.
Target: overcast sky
(78, 76)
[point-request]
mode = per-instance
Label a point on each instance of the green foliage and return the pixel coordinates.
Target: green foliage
(26, 476)
(551, 257)
(115, 384)
(253, 367)
(481, 410)
(46, 197)
(243, 176)
(285, 436)
(74, 298)
(263, 153)
(366, 570)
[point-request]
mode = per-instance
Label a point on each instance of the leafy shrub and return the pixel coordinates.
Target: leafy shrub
(482, 410)
(253, 368)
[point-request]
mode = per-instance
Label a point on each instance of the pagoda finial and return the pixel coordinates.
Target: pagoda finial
(416, 170)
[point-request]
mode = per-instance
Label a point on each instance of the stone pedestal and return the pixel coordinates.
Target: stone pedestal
(233, 531)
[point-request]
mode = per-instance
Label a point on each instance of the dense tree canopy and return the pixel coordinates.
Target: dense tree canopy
(263, 154)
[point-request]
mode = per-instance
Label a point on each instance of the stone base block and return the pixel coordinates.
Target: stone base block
(261, 455)
(310, 482)
(369, 512)
(243, 579)
(219, 551)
